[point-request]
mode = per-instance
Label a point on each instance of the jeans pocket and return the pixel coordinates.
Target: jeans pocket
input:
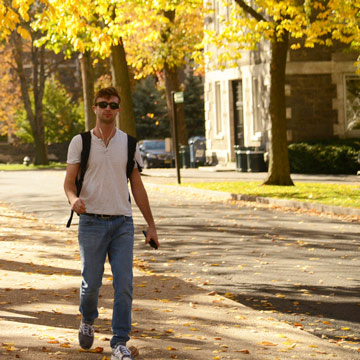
(86, 220)
(128, 219)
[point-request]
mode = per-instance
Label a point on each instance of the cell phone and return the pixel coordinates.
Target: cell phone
(152, 243)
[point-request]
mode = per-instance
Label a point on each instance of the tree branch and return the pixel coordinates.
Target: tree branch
(249, 10)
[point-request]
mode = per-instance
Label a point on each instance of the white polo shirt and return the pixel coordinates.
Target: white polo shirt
(105, 188)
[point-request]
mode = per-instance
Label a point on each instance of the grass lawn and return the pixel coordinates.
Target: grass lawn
(18, 167)
(331, 194)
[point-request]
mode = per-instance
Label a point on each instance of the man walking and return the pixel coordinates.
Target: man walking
(106, 225)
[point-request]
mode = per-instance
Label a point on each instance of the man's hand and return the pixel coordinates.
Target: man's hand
(151, 234)
(78, 206)
(142, 201)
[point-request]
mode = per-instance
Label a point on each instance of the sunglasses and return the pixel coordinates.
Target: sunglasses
(104, 105)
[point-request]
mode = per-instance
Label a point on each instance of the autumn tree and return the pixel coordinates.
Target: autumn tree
(165, 42)
(95, 29)
(15, 20)
(10, 95)
(285, 24)
(119, 29)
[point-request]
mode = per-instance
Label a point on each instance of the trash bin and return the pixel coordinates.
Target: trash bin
(241, 158)
(184, 156)
(197, 151)
(255, 161)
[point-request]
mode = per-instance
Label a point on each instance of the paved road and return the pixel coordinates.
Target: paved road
(224, 174)
(299, 268)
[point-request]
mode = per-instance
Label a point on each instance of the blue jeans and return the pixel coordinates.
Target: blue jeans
(113, 237)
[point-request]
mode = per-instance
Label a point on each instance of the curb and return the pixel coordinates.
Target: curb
(218, 195)
(337, 210)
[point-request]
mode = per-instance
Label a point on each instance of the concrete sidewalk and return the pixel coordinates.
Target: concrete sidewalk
(172, 318)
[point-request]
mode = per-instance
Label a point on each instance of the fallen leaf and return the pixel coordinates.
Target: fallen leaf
(267, 343)
(244, 351)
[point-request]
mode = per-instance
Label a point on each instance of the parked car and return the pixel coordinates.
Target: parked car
(154, 155)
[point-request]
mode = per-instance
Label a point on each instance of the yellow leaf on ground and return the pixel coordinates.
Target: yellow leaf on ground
(11, 348)
(244, 351)
(267, 343)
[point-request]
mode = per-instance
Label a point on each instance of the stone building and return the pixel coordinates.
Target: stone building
(321, 97)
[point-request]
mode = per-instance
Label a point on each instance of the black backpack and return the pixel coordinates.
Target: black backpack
(86, 139)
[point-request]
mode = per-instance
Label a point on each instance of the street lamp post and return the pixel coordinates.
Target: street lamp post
(176, 98)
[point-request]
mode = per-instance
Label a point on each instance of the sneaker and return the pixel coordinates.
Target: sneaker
(86, 335)
(121, 352)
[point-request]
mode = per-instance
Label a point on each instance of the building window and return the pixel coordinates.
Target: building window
(352, 101)
(256, 105)
(218, 123)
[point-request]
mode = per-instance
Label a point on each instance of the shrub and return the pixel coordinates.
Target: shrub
(63, 118)
(325, 157)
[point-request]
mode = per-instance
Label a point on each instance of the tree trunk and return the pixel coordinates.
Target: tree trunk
(35, 118)
(121, 80)
(279, 168)
(87, 75)
(172, 83)
(38, 60)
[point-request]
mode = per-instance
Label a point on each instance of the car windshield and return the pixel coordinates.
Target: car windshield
(154, 145)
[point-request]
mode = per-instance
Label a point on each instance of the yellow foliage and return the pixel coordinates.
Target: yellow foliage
(10, 96)
(315, 22)
(24, 33)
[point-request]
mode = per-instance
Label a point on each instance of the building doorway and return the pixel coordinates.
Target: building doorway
(237, 90)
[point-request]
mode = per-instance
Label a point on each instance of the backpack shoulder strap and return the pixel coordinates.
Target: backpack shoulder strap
(86, 143)
(85, 152)
(131, 153)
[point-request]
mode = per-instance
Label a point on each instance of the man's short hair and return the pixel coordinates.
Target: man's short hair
(107, 93)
